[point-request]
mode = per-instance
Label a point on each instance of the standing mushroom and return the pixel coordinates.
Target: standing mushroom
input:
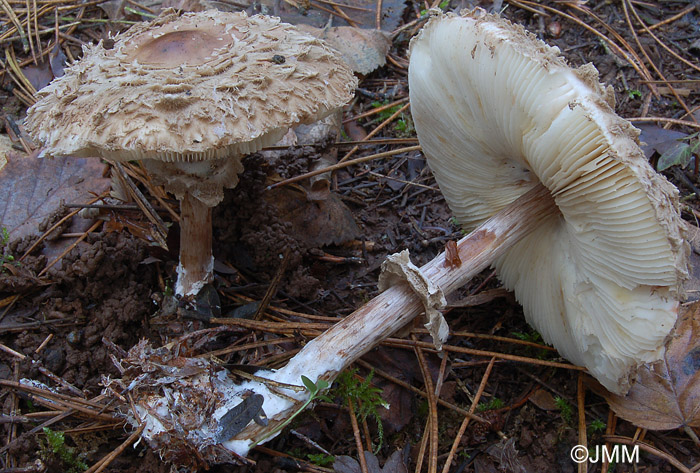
(498, 112)
(189, 96)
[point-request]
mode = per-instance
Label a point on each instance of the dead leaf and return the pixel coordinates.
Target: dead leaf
(315, 223)
(656, 139)
(361, 12)
(33, 189)
(503, 456)
(667, 393)
(543, 400)
(113, 8)
(480, 298)
(364, 50)
(57, 61)
(355, 131)
(394, 464)
(38, 75)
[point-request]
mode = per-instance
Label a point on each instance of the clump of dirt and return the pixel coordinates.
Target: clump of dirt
(250, 233)
(99, 290)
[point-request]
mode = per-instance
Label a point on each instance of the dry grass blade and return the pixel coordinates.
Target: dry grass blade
(484, 336)
(25, 90)
(275, 327)
(105, 462)
(673, 121)
(70, 247)
(581, 405)
(630, 57)
(272, 289)
(357, 437)
(71, 214)
(646, 29)
(379, 128)
(375, 111)
(420, 392)
(465, 422)
(161, 230)
(247, 346)
(340, 165)
(432, 423)
(56, 418)
(470, 351)
(7, 8)
(627, 4)
(672, 18)
(62, 401)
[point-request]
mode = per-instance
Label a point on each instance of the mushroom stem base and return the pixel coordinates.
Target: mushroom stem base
(196, 261)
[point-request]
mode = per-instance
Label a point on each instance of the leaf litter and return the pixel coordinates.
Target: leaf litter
(88, 298)
(666, 394)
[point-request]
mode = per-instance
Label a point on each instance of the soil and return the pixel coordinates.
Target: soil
(109, 291)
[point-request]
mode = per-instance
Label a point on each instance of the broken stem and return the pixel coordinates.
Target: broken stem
(196, 261)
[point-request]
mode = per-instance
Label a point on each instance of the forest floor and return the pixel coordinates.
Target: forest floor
(110, 284)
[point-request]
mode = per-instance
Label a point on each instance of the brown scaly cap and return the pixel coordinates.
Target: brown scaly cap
(189, 88)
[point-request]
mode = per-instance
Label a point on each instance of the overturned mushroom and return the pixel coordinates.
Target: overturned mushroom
(498, 112)
(189, 96)
(592, 192)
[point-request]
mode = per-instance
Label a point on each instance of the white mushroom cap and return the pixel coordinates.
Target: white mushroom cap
(496, 111)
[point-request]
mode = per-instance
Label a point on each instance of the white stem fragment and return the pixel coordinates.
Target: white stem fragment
(196, 261)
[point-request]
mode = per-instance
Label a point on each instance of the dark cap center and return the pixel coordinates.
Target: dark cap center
(179, 48)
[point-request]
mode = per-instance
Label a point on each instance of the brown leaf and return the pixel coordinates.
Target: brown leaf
(667, 393)
(315, 223)
(656, 139)
(57, 61)
(355, 131)
(33, 189)
(113, 8)
(363, 50)
(691, 286)
(362, 12)
(544, 400)
(38, 75)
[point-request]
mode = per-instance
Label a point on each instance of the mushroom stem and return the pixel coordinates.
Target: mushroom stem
(196, 261)
(346, 341)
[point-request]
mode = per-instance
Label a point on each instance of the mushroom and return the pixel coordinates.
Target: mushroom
(583, 229)
(498, 112)
(189, 96)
